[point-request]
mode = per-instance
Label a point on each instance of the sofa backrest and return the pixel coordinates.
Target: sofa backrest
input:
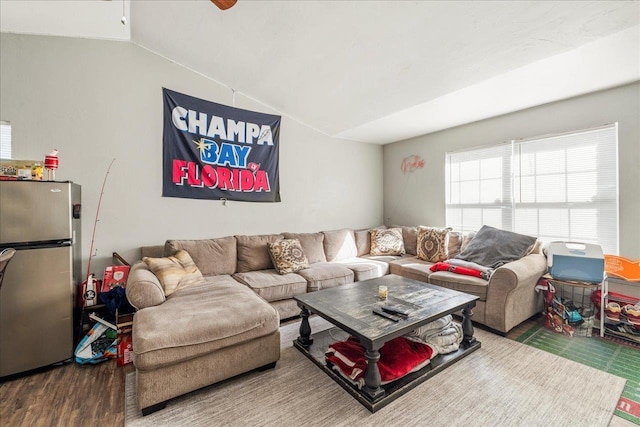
(155, 251)
(253, 252)
(410, 238)
(454, 242)
(340, 244)
(312, 245)
(212, 256)
(363, 241)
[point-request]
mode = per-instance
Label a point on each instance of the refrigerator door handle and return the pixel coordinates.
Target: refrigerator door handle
(21, 246)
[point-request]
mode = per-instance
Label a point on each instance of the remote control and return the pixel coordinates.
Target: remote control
(385, 315)
(394, 310)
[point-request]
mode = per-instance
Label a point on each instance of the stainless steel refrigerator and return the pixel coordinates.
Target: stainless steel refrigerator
(41, 220)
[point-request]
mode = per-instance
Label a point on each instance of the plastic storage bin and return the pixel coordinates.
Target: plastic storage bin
(583, 262)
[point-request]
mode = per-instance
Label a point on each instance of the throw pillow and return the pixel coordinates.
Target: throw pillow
(387, 241)
(287, 256)
(432, 243)
(175, 272)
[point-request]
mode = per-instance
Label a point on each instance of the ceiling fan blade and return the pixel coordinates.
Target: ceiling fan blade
(224, 4)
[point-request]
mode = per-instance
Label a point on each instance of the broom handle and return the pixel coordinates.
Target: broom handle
(95, 224)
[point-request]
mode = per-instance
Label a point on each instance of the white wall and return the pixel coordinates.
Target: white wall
(98, 100)
(419, 197)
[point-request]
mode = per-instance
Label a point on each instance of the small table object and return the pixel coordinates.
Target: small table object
(351, 308)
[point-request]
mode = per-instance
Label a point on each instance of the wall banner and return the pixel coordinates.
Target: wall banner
(213, 151)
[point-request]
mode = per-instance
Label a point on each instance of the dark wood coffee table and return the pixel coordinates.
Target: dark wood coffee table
(349, 307)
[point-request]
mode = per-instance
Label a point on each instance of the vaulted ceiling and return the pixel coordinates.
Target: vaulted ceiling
(372, 71)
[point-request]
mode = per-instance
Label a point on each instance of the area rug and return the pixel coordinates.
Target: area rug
(503, 383)
(605, 355)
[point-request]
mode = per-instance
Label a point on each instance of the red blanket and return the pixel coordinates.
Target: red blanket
(398, 357)
(443, 266)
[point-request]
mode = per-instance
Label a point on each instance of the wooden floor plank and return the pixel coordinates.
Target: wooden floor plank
(79, 395)
(68, 395)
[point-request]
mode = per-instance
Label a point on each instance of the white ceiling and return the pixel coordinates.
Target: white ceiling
(372, 71)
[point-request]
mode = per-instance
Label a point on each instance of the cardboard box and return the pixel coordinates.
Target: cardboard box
(583, 262)
(115, 275)
(125, 349)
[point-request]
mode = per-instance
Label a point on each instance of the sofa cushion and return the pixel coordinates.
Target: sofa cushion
(432, 243)
(287, 308)
(212, 256)
(155, 251)
(365, 268)
(387, 242)
(458, 282)
(454, 242)
(385, 258)
(287, 256)
(198, 320)
(253, 252)
(468, 237)
(363, 240)
(410, 237)
(312, 245)
(273, 286)
(324, 275)
(175, 272)
(340, 244)
(412, 268)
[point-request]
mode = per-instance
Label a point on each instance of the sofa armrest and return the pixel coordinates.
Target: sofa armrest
(143, 287)
(511, 297)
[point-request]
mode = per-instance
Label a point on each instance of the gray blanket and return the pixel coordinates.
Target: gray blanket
(493, 247)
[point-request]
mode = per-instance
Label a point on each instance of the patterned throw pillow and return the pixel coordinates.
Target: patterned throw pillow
(287, 256)
(387, 241)
(175, 272)
(432, 243)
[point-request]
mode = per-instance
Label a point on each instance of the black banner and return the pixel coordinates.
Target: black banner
(213, 151)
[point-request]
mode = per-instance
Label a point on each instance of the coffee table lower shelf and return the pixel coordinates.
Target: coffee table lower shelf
(393, 390)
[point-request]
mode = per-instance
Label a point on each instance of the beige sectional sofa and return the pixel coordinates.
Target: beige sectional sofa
(228, 325)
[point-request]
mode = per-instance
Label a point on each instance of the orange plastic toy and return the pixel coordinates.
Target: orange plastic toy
(622, 267)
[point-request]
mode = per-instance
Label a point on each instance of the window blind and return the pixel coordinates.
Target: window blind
(5, 140)
(559, 187)
(479, 188)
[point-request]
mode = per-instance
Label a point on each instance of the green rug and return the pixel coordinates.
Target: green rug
(617, 359)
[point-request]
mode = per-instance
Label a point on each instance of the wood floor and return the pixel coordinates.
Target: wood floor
(68, 395)
(83, 395)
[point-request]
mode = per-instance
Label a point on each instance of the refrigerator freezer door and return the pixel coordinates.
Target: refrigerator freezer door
(34, 211)
(36, 310)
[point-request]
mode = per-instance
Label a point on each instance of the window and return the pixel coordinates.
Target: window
(560, 187)
(5, 140)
